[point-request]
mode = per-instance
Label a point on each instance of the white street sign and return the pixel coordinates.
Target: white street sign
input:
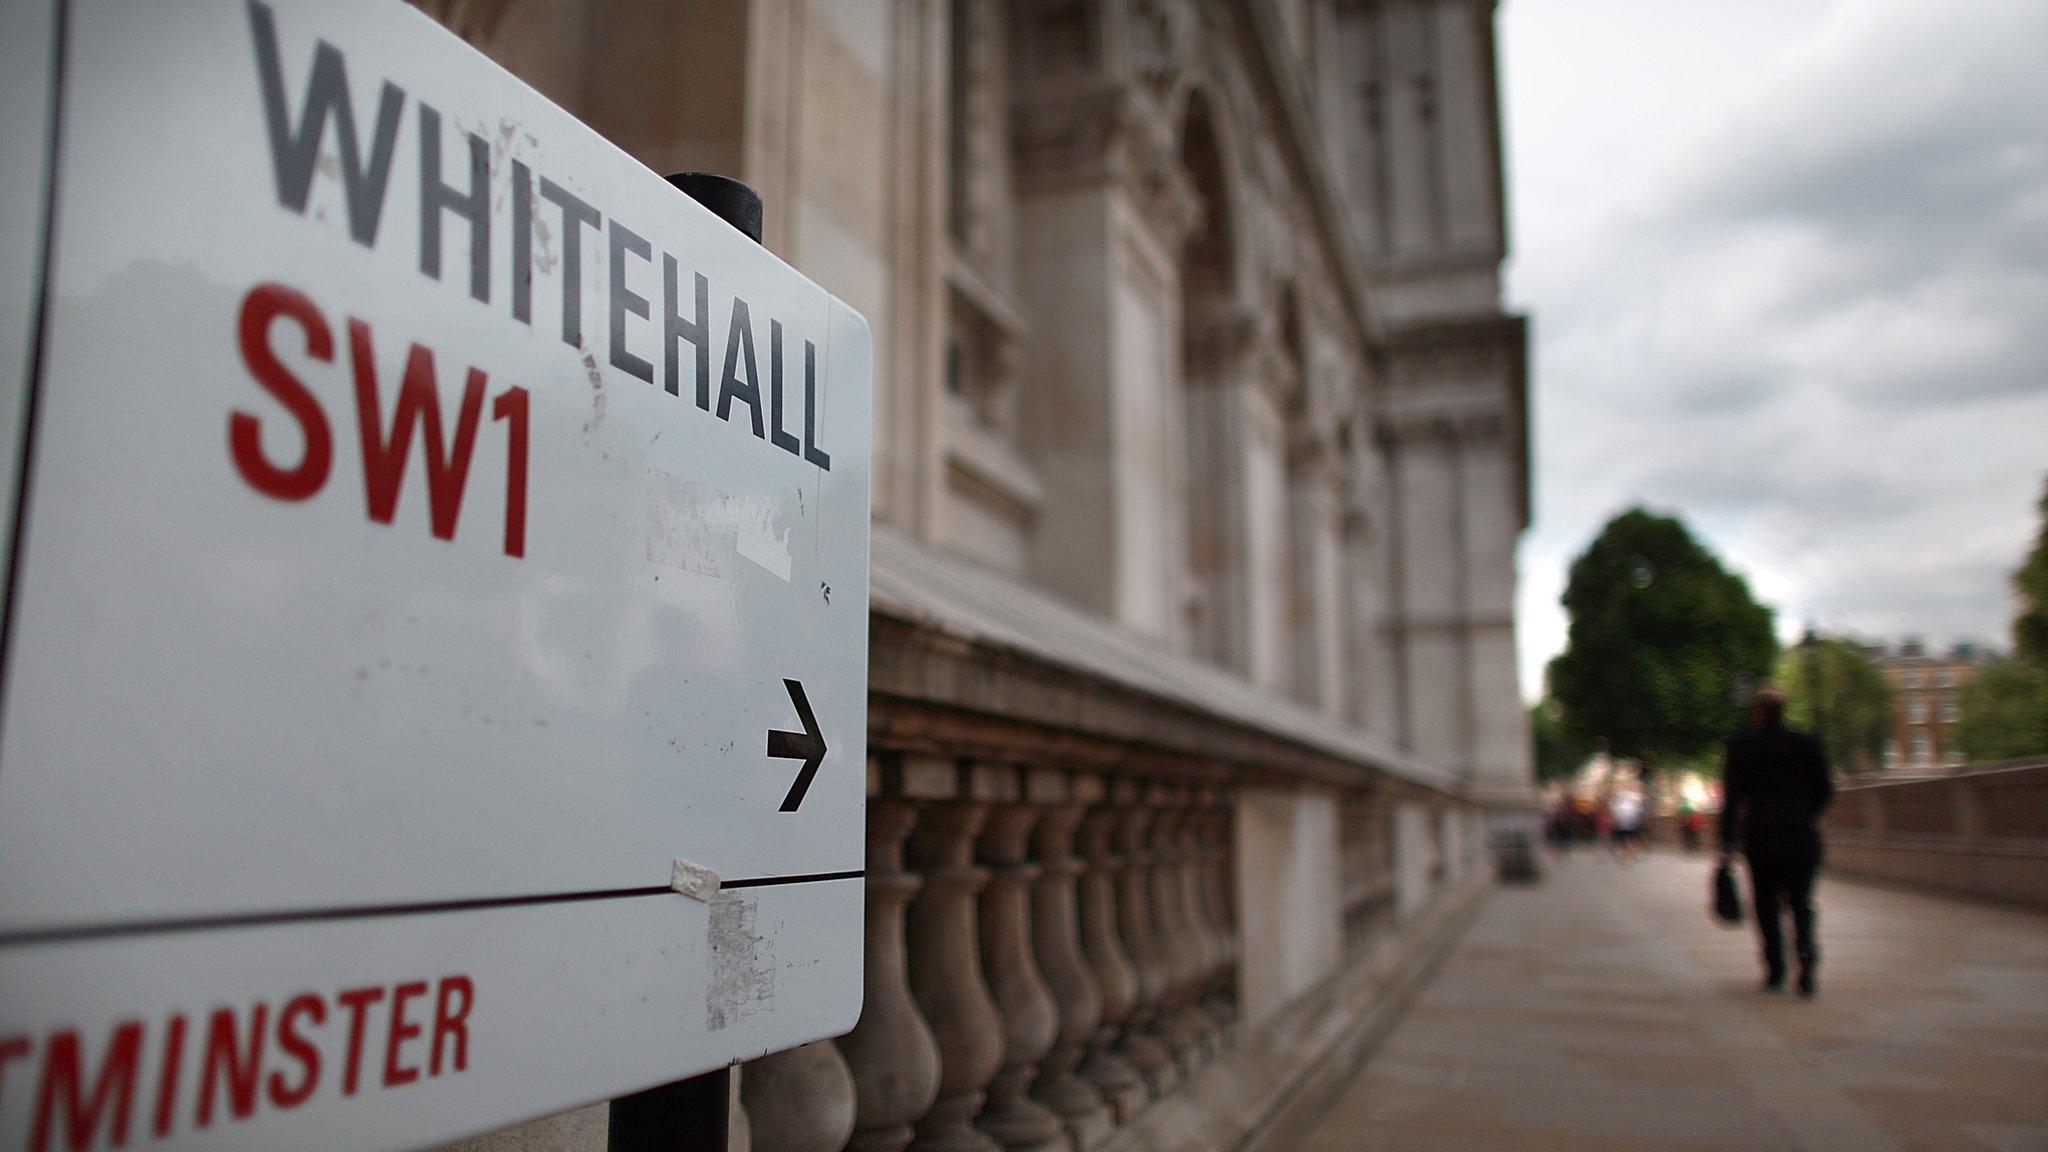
(435, 658)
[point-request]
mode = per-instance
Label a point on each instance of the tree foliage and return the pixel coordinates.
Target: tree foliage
(1661, 635)
(1558, 755)
(1854, 718)
(2005, 712)
(2005, 709)
(2030, 627)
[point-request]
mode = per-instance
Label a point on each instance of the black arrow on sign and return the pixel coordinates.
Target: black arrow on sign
(807, 746)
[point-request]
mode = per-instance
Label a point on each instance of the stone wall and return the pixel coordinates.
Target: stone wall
(1982, 832)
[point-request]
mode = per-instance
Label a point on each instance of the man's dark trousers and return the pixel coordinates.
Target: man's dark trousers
(1781, 876)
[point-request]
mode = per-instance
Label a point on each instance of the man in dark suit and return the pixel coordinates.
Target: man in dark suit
(1776, 785)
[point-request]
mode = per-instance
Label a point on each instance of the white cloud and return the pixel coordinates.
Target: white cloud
(1787, 265)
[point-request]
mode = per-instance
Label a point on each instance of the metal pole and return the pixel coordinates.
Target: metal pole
(691, 1115)
(687, 1116)
(732, 201)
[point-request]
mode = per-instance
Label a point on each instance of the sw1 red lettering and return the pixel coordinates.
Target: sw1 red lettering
(512, 407)
(418, 402)
(261, 309)
(385, 449)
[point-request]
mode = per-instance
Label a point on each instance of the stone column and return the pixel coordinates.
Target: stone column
(799, 1100)
(1134, 929)
(1055, 937)
(1029, 1018)
(1117, 1052)
(894, 1060)
(945, 975)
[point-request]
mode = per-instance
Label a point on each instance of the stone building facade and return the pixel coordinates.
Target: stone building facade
(1201, 458)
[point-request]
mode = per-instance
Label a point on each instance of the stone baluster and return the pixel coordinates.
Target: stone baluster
(799, 1100)
(1115, 1052)
(945, 974)
(1193, 899)
(1030, 1020)
(1219, 877)
(1172, 936)
(1134, 928)
(1055, 938)
(893, 1058)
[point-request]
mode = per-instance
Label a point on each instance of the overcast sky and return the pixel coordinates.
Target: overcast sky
(1786, 263)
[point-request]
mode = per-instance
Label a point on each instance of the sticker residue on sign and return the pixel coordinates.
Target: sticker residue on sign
(742, 974)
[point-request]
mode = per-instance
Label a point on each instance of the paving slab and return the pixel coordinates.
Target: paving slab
(1604, 1009)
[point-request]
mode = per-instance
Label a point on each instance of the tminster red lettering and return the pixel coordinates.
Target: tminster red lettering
(295, 1045)
(227, 1060)
(13, 1048)
(357, 1001)
(81, 1113)
(452, 1023)
(167, 1077)
(86, 1089)
(401, 1030)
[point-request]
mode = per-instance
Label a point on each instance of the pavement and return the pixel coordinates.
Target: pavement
(1604, 1009)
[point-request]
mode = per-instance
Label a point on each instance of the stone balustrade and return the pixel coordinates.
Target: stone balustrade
(1367, 868)
(1048, 955)
(1099, 920)
(1980, 832)
(1051, 956)
(1054, 961)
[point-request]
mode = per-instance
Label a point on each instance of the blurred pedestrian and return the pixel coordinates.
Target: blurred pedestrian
(1558, 824)
(1625, 817)
(1776, 785)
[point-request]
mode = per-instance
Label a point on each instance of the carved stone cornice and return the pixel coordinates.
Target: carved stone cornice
(1449, 366)
(1070, 139)
(1312, 451)
(1441, 428)
(1218, 342)
(1159, 40)
(1111, 134)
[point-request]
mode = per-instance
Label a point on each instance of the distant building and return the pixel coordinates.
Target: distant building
(1927, 691)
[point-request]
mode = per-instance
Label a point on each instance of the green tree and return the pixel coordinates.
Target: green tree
(1661, 636)
(1558, 755)
(1855, 713)
(2030, 627)
(2005, 712)
(2005, 709)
